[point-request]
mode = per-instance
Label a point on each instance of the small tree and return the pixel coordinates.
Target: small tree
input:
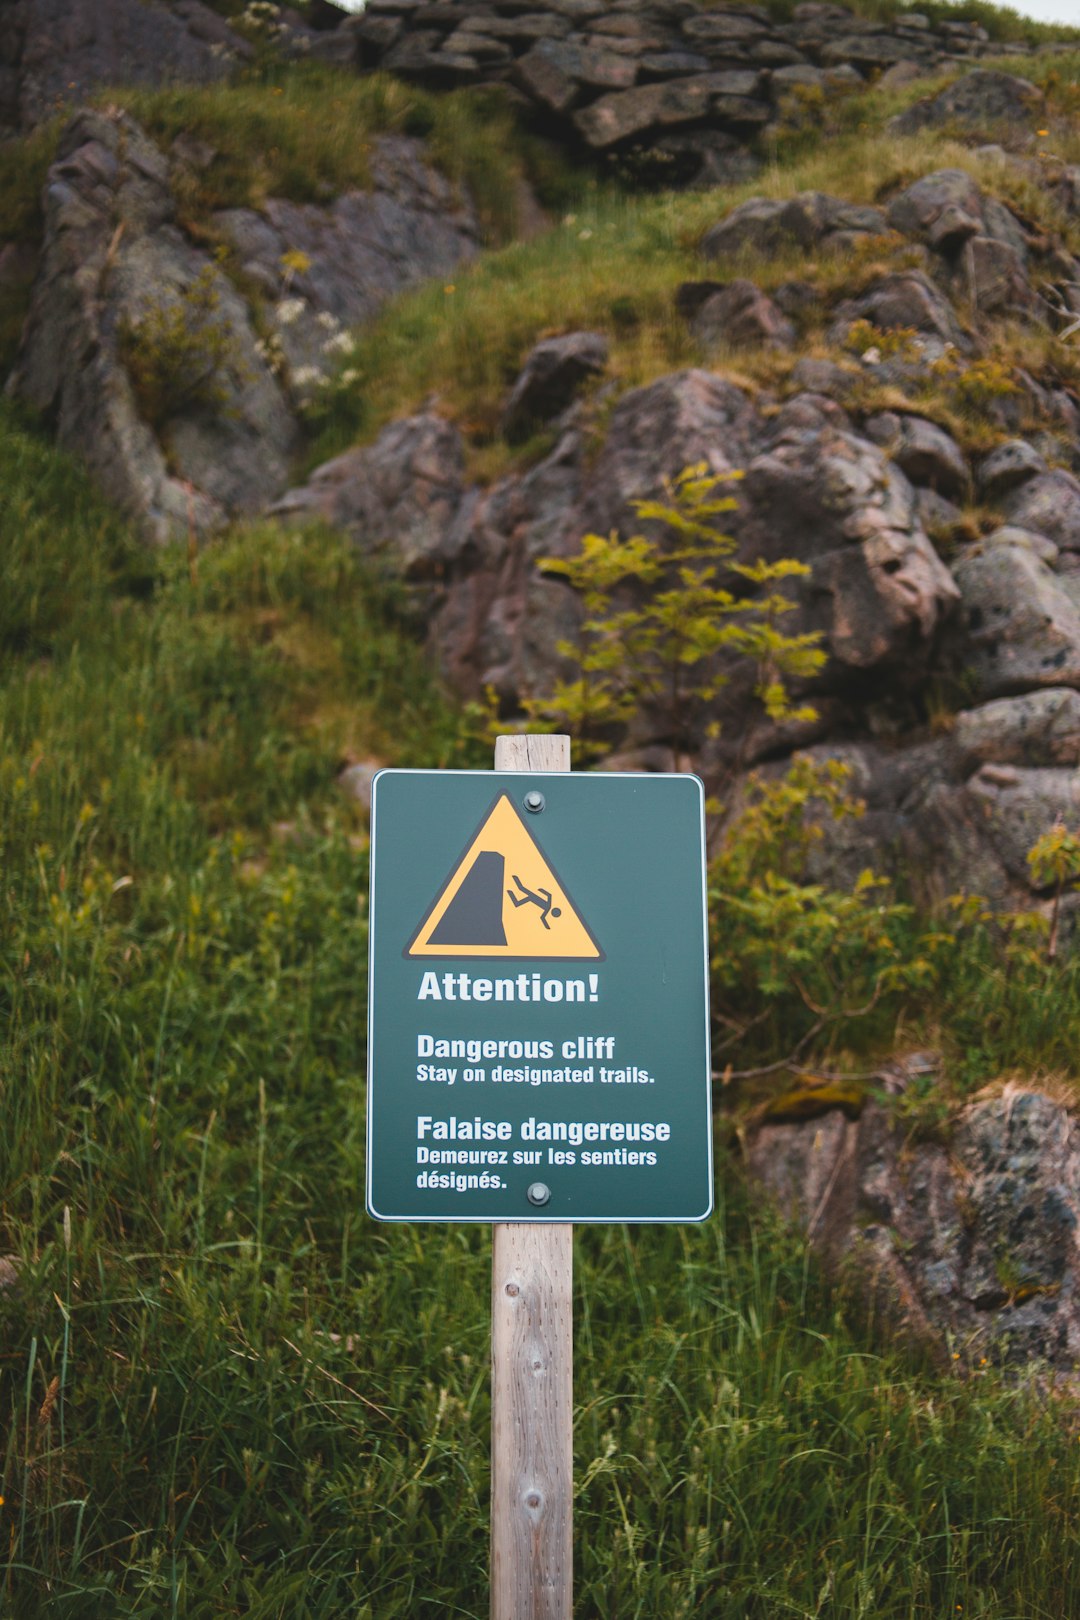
(665, 617)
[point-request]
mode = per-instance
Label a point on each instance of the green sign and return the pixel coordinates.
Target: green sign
(538, 1016)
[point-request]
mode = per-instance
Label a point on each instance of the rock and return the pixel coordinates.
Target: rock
(553, 373)
(927, 454)
(1049, 504)
(942, 209)
(742, 315)
(728, 97)
(58, 52)
(761, 224)
(798, 74)
(398, 498)
(703, 158)
(360, 250)
(878, 591)
(906, 300)
(937, 515)
(1021, 629)
(970, 1244)
(1003, 469)
(824, 377)
(1014, 808)
(864, 51)
(978, 100)
(1036, 729)
(993, 276)
(114, 266)
(671, 65)
(554, 72)
(900, 74)
(811, 490)
(500, 620)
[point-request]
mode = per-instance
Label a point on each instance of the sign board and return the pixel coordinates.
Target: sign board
(538, 1043)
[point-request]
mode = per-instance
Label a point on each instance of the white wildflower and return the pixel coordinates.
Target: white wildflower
(289, 310)
(349, 377)
(328, 322)
(307, 377)
(341, 344)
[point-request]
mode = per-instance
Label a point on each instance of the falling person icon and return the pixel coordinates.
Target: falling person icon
(534, 897)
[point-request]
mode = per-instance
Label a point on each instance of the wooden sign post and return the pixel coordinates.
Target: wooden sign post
(532, 1373)
(538, 1055)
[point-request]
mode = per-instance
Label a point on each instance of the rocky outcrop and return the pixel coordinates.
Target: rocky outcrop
(349, 257)
(54, 53)
(655, 74)
(114, 264)
(857, 496)
(145, 356)
(552, 375)
(982, 101)
(811, 488)
(967, 1248)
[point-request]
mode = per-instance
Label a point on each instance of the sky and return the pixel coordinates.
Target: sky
(1061, 11)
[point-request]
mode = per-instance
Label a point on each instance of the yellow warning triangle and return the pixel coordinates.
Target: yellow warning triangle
(504, 899)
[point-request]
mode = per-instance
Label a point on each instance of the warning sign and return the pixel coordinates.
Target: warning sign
(504, 899)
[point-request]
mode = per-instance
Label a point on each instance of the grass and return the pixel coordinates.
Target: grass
(223, 1390)
(614, 261)
(305, 133)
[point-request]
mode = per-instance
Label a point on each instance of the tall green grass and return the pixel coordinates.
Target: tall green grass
(223, 1390)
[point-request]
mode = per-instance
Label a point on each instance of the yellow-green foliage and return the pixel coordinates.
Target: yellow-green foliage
(666, 616)
(800, 956)
(178, 352)
(864, 338)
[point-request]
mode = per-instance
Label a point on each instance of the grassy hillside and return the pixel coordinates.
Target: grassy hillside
(615, 258)
(223, 1390)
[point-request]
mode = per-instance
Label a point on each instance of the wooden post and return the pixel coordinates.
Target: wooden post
(532, 1384)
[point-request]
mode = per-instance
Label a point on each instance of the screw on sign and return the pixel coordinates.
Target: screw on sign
(537, 1055)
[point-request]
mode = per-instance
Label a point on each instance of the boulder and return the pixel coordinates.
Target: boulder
(556, 72)
(1011, 464)
(1049, 504)
(926, 453)
(906, 300)
(762, 224)
(980, 100)
(942, 209)
(701, 158)
(1002, 811)
(968, 1249)
(1020, 626)
(553, 373)
(729, 98)
(742, 315)
(993, 276)
(811, 489)
(1035, 729)
(119, 287)
(397, 498)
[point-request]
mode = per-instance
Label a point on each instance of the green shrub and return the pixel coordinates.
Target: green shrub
(664, 617)
(179, 352)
